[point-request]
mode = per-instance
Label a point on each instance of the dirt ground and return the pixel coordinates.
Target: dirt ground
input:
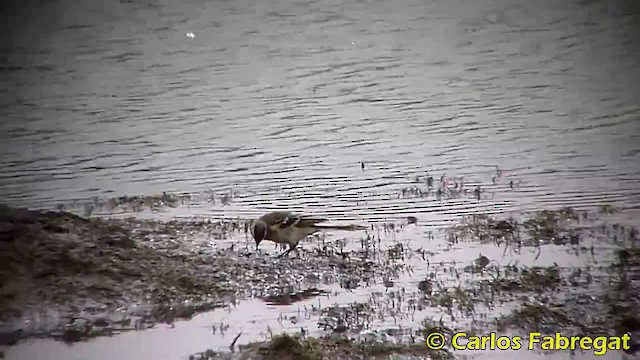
(73, 265)
(70, 278)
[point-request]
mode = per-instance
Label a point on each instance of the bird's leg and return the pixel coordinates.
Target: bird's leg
(294, 247)
(291, 248)
(284, 253)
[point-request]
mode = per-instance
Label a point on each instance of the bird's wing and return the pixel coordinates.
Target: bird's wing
(283, 220)
(308, 221)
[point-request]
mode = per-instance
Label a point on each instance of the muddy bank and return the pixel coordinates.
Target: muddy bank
(66, 276)
(294, 347)
(72, 278)
(599, 298)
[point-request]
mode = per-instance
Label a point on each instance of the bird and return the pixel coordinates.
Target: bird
(283, 227)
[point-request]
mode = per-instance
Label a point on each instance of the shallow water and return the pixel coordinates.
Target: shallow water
(280, 101)
(257, 319)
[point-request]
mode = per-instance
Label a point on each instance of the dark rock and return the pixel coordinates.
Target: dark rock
(482, 261)
(425, 285)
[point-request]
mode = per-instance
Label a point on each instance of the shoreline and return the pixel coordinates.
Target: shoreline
(71, 278)
(79, 272)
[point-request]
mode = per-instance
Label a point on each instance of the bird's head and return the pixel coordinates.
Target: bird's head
(259, 231)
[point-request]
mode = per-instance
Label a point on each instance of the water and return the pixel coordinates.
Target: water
(281, 100)
(114, 98)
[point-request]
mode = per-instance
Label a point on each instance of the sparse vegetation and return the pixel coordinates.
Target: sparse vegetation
(62, 261)
(287, 346)
(69, 262)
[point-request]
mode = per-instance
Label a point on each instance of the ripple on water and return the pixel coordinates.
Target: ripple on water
(344, 97)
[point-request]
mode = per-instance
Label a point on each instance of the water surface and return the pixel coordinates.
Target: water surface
(114, 98)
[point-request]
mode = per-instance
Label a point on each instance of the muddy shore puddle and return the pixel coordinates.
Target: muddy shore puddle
(391, 284)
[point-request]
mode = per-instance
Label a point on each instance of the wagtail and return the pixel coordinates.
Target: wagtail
(284, 227)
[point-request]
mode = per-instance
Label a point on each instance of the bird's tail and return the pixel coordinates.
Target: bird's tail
(341, 227)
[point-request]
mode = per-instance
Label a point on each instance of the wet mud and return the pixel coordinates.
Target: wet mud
(72, 278)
